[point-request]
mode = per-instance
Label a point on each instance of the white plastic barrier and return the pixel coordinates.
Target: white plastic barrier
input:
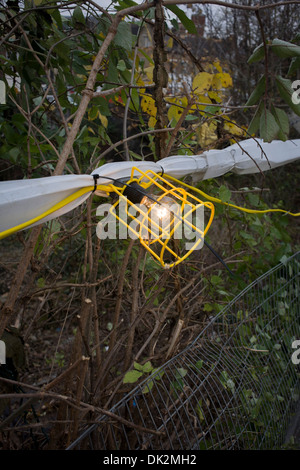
(24, 200)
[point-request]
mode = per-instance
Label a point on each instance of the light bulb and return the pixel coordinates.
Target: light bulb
(161, 206)
(158, 219)
(162, 211)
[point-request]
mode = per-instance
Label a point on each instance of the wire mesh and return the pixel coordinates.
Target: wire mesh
(234, 387)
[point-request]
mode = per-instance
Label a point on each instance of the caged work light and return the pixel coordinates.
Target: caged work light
(168, 220)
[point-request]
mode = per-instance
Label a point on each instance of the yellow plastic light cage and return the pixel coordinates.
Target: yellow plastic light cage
(164, 229)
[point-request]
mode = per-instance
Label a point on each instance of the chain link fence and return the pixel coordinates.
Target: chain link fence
(235, 387)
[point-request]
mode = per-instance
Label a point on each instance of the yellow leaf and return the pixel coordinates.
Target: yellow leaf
(217, 65)
(174, 112)
(149, 73)
(206, 134)
(183, 101)
(170, 43)
(224, 78)
(148, 105)
(217, 82)
(202, 82)
(152, 122)
(140, 82)
(103, 120)
(215, 96)
(171, 99)
(208, 67)
(234, 129)
(202, 99)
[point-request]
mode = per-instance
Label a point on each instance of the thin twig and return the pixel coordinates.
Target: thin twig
(134, 307)
(42, 394)
(231, 5)
(191, 102)
(117, 144)
(126, 149)
(44, 390)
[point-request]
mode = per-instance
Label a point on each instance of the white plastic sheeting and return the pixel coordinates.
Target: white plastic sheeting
(23, 200)
(249, 156)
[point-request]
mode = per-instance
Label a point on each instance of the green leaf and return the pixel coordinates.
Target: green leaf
(282, 119)
(268, 126)
(41, 282)
(288, 93)
(124, 37)
(253, 199)
(147, 367)
(157, 375)
(294, 67)
(177, 385)
(285, 49)
(93, 113)
(187, 23)
(258, 54)
(199, 410)
(190, 117)
(121, 65)
(14, 153)
(102, 105)
(248, 237)
(148, 387)
(180, 372)
(126, 3)
(257, 92)
(150, 60)
(78, 16)
(199, 364)
(135, 100)
(212, 109)
(224, 193)
(175, 24)
(254, 124)
(57, 17)
(207, 308)
(284, 259)
(215, 280)
(226, 381)
(132, 376)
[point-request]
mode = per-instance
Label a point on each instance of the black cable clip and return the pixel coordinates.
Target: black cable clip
(95, 176)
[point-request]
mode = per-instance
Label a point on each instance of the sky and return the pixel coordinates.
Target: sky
(106, 3)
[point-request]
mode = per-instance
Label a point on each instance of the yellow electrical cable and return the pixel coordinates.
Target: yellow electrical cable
(110, 188)
(59, 205)
(56, 207)
(218, 201)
